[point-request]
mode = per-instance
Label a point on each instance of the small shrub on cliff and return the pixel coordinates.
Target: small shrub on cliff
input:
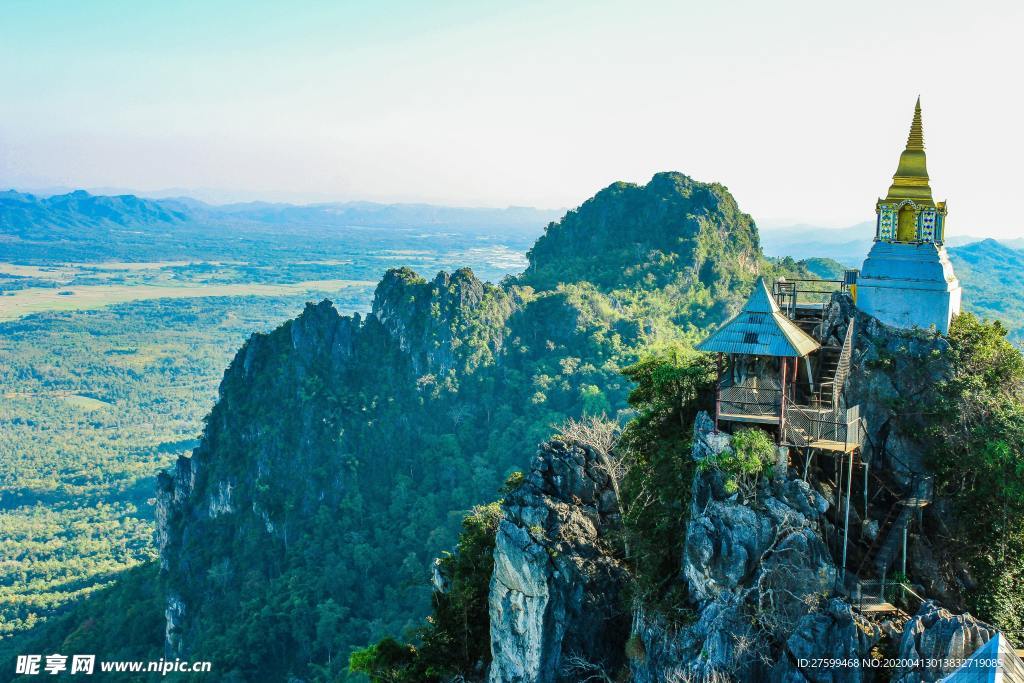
(385, 662)
(457, 636)
(745, 463)
(513, 482)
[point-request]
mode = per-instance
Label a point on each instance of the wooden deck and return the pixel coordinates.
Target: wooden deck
(879, 608)
(826, 445)
(742, 417)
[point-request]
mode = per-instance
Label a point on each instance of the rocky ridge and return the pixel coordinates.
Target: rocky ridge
(554, 601)
(249, 489)
(761, 579)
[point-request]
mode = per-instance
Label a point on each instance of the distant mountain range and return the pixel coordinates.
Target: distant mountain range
(22, 213)
(62, 216)
(992, 275)
(83, 226)
(849, 246)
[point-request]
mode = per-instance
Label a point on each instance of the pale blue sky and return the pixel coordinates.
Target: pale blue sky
(800, 108)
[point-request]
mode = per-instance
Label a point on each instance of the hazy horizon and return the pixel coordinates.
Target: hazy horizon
(458, 104)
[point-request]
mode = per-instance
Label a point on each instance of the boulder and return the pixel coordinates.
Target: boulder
(835, 632)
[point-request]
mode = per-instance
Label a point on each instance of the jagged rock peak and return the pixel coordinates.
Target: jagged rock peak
(271, 454)
(454, 322)
(555, 612)
(935, 633)
(837, 631)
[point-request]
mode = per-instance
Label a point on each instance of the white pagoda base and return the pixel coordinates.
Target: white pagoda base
(909, 285)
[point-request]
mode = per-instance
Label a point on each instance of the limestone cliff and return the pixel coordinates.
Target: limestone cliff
(293, 458)
(343, 450)
(891, 370)
(555, 606)
(760, 576)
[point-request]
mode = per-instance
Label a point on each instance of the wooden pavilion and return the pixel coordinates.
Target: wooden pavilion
(774, 372)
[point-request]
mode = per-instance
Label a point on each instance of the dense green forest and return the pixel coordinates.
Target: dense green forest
(94, 403)
(975, 438)
(992, 274)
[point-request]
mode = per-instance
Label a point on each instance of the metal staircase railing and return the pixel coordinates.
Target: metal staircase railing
(833, 380)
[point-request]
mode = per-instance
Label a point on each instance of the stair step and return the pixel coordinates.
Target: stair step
(891, 547)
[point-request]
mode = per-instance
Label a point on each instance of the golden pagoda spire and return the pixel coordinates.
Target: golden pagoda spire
(911, 178)
(916, 139)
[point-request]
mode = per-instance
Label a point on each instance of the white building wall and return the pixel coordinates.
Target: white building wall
(909, 285)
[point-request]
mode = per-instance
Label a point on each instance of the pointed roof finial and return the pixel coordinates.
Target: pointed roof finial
(911, 179)
(916, 139)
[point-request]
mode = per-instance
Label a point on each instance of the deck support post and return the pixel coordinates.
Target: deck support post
(846, 521)
(718, 391)
(867, 465)
(782, 399)
(903, 565)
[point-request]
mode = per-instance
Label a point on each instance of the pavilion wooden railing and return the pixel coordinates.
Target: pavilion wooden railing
(750, 401)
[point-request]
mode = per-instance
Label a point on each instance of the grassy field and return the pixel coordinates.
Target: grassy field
(18, 303)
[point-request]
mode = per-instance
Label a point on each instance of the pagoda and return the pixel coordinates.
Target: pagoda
(907, 280)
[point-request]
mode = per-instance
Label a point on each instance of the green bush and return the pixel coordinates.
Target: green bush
(672, 385)
(976, 446)
(749, 458)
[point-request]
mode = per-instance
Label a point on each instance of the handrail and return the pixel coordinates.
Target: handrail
(843, 364)
(787, 291)
(766, 402)
(805, 427)
(864, 597)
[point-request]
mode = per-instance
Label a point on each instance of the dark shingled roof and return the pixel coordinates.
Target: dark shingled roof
(761, 329)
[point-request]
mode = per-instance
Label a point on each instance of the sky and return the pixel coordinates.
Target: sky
(799, 108)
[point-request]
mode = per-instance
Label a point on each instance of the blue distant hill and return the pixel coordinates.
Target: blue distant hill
(22, 213)
(82, 226)
(849, 246)
(992, 275)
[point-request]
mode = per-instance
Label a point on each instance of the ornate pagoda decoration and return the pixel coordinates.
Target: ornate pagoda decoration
(907, 279)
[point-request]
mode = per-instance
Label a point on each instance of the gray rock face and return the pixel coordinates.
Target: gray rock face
(720, 646)
(887, 365)
(834, 632)
(723, 545)
(554, 602)
(755, 571)
(892, 367)
(218, 489)
(937, 633)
